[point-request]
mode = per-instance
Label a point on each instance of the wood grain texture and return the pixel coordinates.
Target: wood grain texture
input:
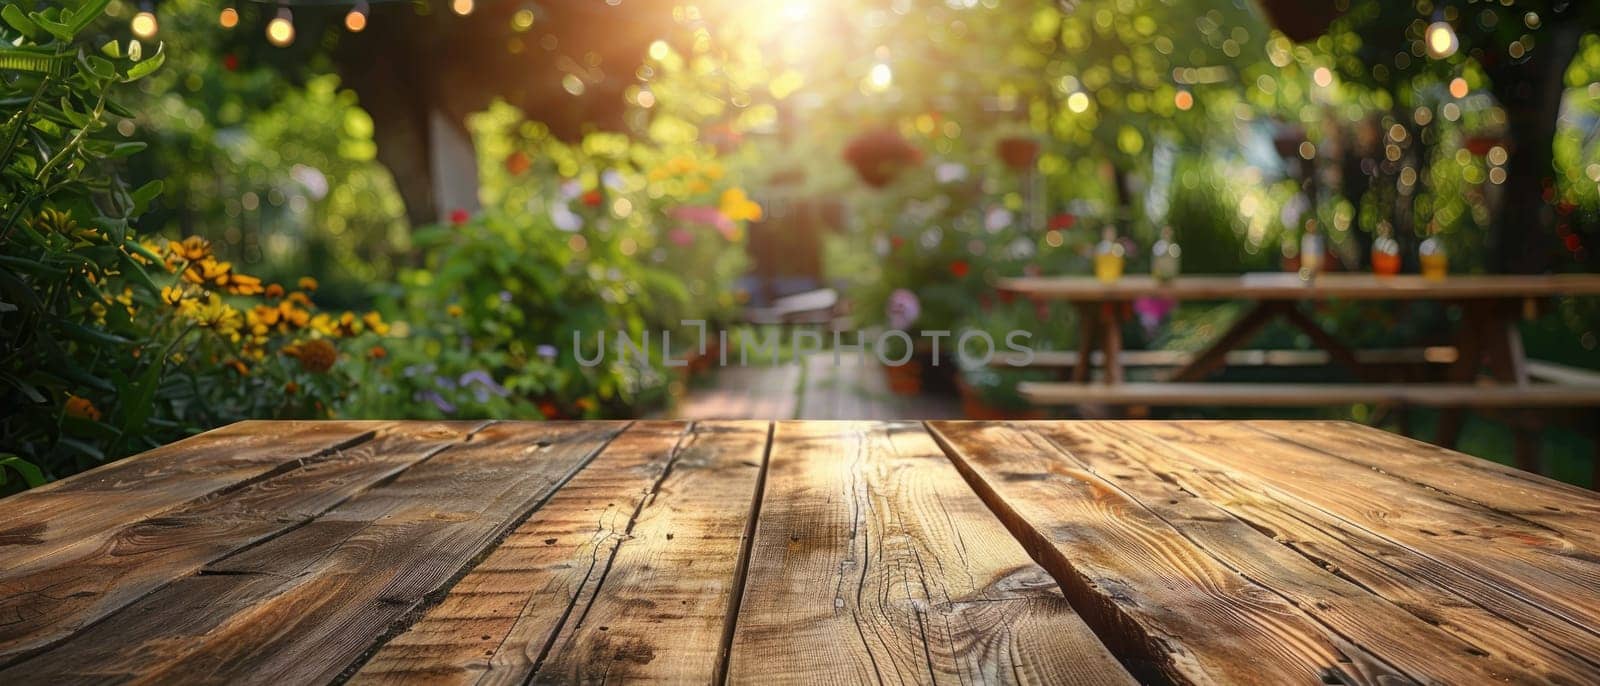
(1148, 589)
(302, 606)
(502, 615)
(1532, 561)
(662, 610)
(79, 513)
(873, 562)
(49, 598)
(1482, 614)
(1421, 650)
(1562, 507)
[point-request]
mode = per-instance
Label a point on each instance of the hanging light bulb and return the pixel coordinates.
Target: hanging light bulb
(461, 7)
(144, 24)
(228, 18)
(280, 31)
(1440, 40)
(356, 20)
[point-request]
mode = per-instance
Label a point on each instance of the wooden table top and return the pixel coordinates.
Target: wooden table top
(837, 552)
(1288, 286)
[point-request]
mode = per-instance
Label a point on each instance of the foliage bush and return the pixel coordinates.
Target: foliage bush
(113, 344)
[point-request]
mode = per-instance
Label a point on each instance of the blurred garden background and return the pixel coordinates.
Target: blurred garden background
(219, 210)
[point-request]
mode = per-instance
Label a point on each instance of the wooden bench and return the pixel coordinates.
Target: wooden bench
(1178, 394)
(1067, 359)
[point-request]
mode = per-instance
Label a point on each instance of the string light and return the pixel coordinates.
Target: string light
(228, 18)
(356, 20)
(280, 31)
(144, 24)
(461, 7)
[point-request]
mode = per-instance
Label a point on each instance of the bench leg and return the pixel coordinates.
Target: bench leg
(1337, 351)
(1240, 333)
(1088, 331)
(1527, 450)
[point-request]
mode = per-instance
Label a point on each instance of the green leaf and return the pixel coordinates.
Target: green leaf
(148, 66)
(87, 13)
(112, 49)
(136, 271)
(145, 195)
(136, 401)
(92, 335)
(30, 472)
(13, 15)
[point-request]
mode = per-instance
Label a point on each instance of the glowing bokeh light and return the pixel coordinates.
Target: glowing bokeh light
(280, 31)
(1184, 100)
(1078, 102)
(356, 20)
(144, 24)
(1458, 87)
(462, 7)
(228, 18)
(1322, 76)
(881, 76)
(1441, 40)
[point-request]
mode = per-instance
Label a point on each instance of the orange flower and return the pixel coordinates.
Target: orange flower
(308, 284)
(291, 388)
(243, 284)
(275, 291)
(316, 355)
(81, 408)
(239, 367)
(193, 248)
(208, 271)
(377, 352)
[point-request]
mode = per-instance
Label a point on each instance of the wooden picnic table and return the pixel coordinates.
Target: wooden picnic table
(817, 552)
(1487, 337)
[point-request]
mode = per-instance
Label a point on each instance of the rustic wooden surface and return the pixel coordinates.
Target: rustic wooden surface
(801, 552)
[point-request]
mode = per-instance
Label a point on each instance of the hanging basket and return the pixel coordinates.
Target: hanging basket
(1301, 21)
(880, 155)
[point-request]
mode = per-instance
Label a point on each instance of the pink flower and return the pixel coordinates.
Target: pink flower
(1153, 311)
(680, 237)
(903, 308)
(709, 216)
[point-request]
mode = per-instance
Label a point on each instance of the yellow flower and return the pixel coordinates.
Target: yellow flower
(346, 326)
(454, 310)
(713, 171)
(216, 315)
(375, 323)
(294, 316)
(681, 164)
(174, 295)
(274, 291)
(738, 206)
(193, 248)
(262, 318)
(81, 408)
(244, 284)
(208, 272)
(308, 284)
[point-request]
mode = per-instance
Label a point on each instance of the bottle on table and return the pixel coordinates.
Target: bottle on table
(1431, 254)
(1385, 252)
(1311, 251)
(1108, 256)
(1165, 257)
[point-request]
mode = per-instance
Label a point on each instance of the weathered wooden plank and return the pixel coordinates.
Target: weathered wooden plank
(873, 561)
(1148, 589)
(76, 514)
(1480, 613)
(661, 613)
(1531, 561)
(1573, 511)
(302, 606)
(496, 621)
(49, 598)
(1419, 649)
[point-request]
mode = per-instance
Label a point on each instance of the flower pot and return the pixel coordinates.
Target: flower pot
(973, 406)
(905, 379)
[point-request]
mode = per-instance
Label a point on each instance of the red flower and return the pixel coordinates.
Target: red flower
(960, 268)
(895, 242)
(592, 198)
(230, 62)
(1063, 221)
(459, 216)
